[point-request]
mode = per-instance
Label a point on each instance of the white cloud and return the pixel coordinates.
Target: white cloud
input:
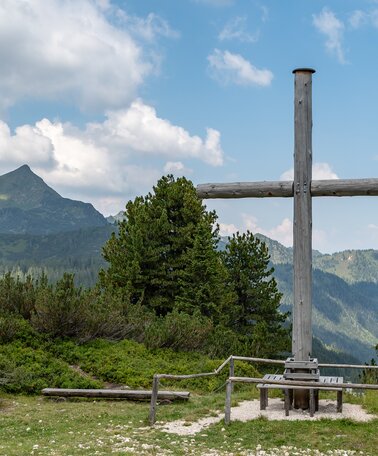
(320, 171)
(176, 168)
(264, 13)
(227, 68)
(148, 28)
(27, 145)
(140, 129)
(236, 29)
(358, 18)
(329, 25)
(63, 49)
(106, 161)
(282, 233)
(227, 229)
(361, 18)
(323, 171)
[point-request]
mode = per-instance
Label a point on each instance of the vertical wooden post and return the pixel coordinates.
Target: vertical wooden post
(227, 411)
(232, 370)
(302, 311)
(154, 396)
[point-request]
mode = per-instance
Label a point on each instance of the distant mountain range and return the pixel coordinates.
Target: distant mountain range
(350, 265)
(345, 296)
(42, 231)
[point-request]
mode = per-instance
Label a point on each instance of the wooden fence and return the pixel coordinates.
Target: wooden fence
(232, 379)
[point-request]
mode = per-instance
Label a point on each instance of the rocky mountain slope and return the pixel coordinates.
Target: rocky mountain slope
(29, 206)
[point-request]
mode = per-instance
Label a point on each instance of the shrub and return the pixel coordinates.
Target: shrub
(28, 370)
(130, 363)
(18, 296)
(14, 327)
(64, 310)
(58, 310)
(179, 331)
(223, 342)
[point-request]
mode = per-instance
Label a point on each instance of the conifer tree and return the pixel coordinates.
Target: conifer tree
(203, 282)
(150, 252)
(256, 315)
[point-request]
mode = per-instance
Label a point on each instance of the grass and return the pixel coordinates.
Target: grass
(34, 425)
(41, 426)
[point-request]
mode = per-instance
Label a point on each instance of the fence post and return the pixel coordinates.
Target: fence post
(154, 396)
(227, 413)
(232, 371)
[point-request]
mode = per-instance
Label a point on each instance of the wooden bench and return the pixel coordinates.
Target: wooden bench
(288, 392)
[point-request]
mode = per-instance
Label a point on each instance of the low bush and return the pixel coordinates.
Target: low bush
(132, 364)
(223, 342)
(179, 331)
(14, 327)
(28, 370)
(17, 296)
(64, 310)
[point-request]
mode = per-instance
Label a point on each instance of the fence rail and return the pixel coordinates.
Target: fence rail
(232, 379)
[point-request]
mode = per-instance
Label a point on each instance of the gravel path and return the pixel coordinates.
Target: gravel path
(249, 410)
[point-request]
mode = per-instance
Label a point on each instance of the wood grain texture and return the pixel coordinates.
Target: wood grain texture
(305, 384)
(285, 189)
(345, 187)
(302, 246)
(264, 189)
(114, 393)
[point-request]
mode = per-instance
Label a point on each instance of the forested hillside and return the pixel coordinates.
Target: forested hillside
(345, 284)
(77, 252)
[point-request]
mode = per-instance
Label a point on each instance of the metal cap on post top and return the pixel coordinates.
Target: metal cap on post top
(304, 70)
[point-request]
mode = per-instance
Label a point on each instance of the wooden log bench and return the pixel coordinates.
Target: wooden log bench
(115, 393)
(287, 389)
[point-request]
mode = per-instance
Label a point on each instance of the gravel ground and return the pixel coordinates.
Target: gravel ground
(249, 410)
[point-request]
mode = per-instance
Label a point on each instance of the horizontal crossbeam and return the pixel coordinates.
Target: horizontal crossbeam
(285, 189)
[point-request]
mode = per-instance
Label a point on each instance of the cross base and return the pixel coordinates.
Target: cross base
(301, 370)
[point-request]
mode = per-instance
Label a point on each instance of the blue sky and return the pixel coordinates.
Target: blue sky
(102, 97)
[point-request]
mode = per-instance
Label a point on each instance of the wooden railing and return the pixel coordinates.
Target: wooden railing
(232, 379)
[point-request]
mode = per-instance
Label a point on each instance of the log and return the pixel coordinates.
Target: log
(262, 189)
(307, 384)
(260, 360)
(347, 366)
(285, 189)
(345, 187)
(114, 393)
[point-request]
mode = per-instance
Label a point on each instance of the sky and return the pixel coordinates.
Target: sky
(103, 97)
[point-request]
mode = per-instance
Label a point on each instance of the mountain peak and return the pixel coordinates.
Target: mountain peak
(23, 189)
(29, 205)
(23, 168)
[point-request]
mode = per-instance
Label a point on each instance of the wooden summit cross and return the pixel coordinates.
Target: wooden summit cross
(302, 189)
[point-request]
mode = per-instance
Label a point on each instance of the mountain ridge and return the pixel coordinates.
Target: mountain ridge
(29, 206)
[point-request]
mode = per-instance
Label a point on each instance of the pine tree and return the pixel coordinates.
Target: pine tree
(256, 315)
(203, 282)
(150, 252)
